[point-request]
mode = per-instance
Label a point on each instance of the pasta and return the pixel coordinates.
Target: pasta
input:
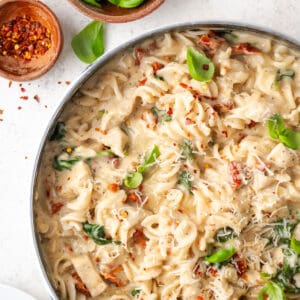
(151, 175)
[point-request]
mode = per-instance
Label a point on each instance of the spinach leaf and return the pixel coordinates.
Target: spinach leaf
(186, 151)
(59, 132)
(97, 234)
(283, 229)
(88, 44)
(135, 292)
(225, 234)
(160, 115)
(200, 67)
(185, 180)
(287, 137)
(93, 2)
(295, 245)
(126, 3)
(221, 255)
(134, 179)
(64, 164)
(273, 291)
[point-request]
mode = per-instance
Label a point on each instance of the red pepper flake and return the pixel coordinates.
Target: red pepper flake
(212, 271)
(25, 98)
(133, 197)
(24, 38)
(36, 98)
(80, 286)
(200, 298)
(210, 41)
(185, 86)
(55, 207)
(46, 106)
(19, 107)
(225, 133)
(139, 238)
(23, 90)
(1, 120)
(114, 187)
(252, 124)
(26, 157)
(67, 82)
(244, 48)
(156, 66)
(9, 84)
(139, 53)
(1, 111)
(142, 82)
(189, 121)
(235, 170)
(180, 210)
(170, 111)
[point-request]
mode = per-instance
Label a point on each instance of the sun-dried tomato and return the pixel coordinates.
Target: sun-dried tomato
(139, 238)
(80, 286)
(244, 48)
(24, 38)
(56, 207)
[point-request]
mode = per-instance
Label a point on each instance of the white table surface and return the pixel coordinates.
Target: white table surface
(22, 129)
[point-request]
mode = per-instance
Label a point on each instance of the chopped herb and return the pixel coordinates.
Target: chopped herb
(185, 180)
(272, 291)
(88, 44)
(93, 2)
(221, 255)
(159, 77)
(134, 179)
(280, 75)
(97, 234)
(186, 151)
(200, 67)
(101, 113)
(283, 229)
(104, 152)
(228, 35)
(161, 115)
(225, 234)
(287, 137)
(126, 3)
(64, 164)
(135, 292)
(59, 132)
(295, 245)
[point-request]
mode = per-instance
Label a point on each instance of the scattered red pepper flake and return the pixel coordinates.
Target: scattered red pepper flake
(142, 82)
(210, 41)
(185, 86)
(26, 157)
(19, 107)
(212, 271)
(114, 187)
(9, 84)
(24, 38)
(240, 264)
(235, 170)
(80, 286)
(139, 238)
(200, 298)
(67, 82)
(244, 48)
(25, 98)
(133, 197)
(55, 207)
(1, 120)
(156, 66)
(252, 124)
(23, 90)
(46, 106)
(36, 98)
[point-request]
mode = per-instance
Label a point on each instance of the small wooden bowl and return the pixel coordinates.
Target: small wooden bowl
(19, 69)
(113, 14)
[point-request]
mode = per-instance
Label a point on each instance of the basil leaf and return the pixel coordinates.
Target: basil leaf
(295, 245)
(200, 67)
(97, 234)
(59, 132)
(65, 164)
(277, 130)
(126, 3)
(92, 2)
(104, 152)
(151, 159)
(186, 151)
(225, 234)
(88, 44)
(160, 115)
(133, 180)
(221, 255)
(185, 180)
(135, 292)
(272, 290)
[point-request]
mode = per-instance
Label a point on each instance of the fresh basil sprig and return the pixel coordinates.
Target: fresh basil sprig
(88, 44)
(221, 255)
(200, 67)
(160, 114)
(134, 179)
(225, 234)
(185, 180)
(295, 245)
(272, 290)
(126, 3)
(97, 234)
(280, 75)
(93, 2)
(287, 137)
(59, 132)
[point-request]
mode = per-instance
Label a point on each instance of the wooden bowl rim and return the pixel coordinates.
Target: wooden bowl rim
(131, 16)
(41, 71)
